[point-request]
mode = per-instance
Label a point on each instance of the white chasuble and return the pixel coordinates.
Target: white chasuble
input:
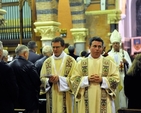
(121, 99)
(59, 98)
(94, 97)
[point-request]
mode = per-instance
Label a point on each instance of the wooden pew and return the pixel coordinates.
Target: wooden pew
(129, 110)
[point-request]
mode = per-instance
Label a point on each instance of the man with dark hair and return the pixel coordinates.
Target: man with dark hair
(94, 81)
(55, 74)
(8, 86)
(71, 50)
(28, 80)
(33, 57)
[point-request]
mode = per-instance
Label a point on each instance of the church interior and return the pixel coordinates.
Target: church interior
(74, 20)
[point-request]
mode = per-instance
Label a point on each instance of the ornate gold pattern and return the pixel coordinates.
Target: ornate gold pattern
(48, 66)
(85, 73)
(103, 108)
(68, 66)
(105, 71)
(76, 84)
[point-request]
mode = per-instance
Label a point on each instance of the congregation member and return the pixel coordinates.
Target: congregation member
(123, 61)
(5, 56)
(94, 81)
(47, 52)
(82, 55)
(55, 74)
(33, 57)
(71, 50)
(28, 80)
(8, 86)
(132, 82)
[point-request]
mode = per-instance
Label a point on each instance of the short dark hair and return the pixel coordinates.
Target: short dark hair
(83, 53)
(58, 39)
(31, 44)
(71, 49)
(96, 38)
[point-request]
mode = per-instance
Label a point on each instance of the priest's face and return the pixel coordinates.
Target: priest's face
(96, 49)
(57, 48)
(116, 46)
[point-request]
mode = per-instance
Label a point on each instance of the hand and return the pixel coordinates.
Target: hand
(124, 60)
(91, 78)
(98, 79)
(95, 78)
(54, 79)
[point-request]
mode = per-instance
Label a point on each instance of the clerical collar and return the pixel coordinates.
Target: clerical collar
(61, 56)
(90, 56)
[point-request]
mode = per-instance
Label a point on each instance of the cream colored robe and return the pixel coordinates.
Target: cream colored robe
(93, 97)
(121, 99)
(58, 95)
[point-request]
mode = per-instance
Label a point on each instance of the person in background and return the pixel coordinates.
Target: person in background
(33, 57)
(94, 81)
(123, 61)
(55, 74)
(71, 50)
(47, 52)
(28, 80)
(82, 55)
(132, 83)
(5, 56)
(8, 86)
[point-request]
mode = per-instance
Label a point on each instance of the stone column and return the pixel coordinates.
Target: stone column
(47, 15)
(79, 32)
(79, 36)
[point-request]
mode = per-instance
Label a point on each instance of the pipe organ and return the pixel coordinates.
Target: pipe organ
(17, 28)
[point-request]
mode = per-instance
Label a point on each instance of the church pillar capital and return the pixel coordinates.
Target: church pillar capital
(114, 18)
(47, 29)
(79, 34)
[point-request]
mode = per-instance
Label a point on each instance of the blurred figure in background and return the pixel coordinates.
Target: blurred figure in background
(71, 50)
(8, 86)
(82, 55)
(132, 83)
(33, 57)
(5, 56)
(28, 80)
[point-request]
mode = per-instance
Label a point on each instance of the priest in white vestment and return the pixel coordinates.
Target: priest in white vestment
(123, 62)
(94, 81)
(55, 74)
